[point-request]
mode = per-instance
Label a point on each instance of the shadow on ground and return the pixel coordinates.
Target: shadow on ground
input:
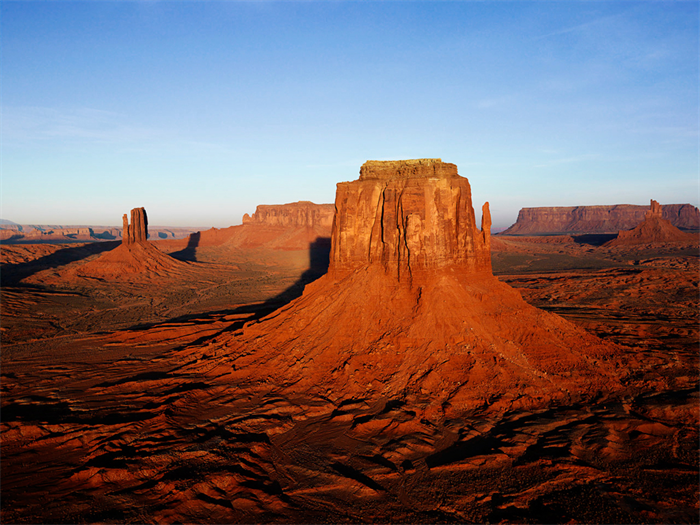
(594, 239)
(189, 253)
(12, 274)
(319, 258)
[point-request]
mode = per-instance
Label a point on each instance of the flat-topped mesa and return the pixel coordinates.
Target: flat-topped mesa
(408, 216)
(566, 220)
(137, 231)
(407, 169)
(298, 214)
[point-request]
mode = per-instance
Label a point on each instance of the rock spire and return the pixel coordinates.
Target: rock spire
(137, 231)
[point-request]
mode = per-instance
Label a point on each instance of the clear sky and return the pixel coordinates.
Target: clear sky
(199, 111)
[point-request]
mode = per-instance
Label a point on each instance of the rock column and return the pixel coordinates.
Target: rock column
(137, 231)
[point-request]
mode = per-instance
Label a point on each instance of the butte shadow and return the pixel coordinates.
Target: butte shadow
(410, 310)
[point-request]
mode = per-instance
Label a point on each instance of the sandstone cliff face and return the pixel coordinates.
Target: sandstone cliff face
(597, 219)
(137, 231)
(408, 216)
(296, 214)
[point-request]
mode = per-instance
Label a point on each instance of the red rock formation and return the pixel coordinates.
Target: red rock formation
(653, 229)
(137, 231)
(418, 220)
(295, 214)
(654, 211)
(292, 226)
(449, 333)
(134, 259)
(597, 219)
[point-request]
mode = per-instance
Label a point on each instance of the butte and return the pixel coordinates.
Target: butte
(410, 309)
(653, 229)
(134, 258)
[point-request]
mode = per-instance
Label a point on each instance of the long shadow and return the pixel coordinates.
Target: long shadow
(189, 253)
(319, 258)
(594, 239)
(12, 274)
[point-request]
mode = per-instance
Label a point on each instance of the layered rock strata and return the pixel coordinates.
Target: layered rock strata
(410, 309)
(137, 231)
(597, 219)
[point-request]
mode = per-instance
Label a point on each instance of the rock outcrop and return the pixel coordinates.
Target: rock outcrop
(408, 216)
(135, 259)
(137, 231)
(288, 227)
(410, 309)
(653, 229)
(597, 219)
(295, 214)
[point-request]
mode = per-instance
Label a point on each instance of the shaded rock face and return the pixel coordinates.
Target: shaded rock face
(408, 216)
(653, 229)
(597, 219)
(296, 214)
(137, 231)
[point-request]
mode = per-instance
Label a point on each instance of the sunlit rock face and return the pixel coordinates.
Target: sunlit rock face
(137, 231)
(408, 216)
(296, 214)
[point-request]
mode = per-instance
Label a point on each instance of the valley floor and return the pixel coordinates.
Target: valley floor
(116, 406)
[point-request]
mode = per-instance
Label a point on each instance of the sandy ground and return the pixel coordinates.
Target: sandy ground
(116, 407)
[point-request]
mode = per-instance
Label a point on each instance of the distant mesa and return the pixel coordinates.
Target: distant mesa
(653, 229)
(296, 214)
(292, 226)
(411, 309)
(597, 219)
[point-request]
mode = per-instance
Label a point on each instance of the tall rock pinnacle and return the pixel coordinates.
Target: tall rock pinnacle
(137, 231)
(654, 210)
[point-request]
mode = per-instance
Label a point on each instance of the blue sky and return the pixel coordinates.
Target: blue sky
(199, 111)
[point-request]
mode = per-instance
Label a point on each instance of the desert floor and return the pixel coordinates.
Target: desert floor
(114, 408)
